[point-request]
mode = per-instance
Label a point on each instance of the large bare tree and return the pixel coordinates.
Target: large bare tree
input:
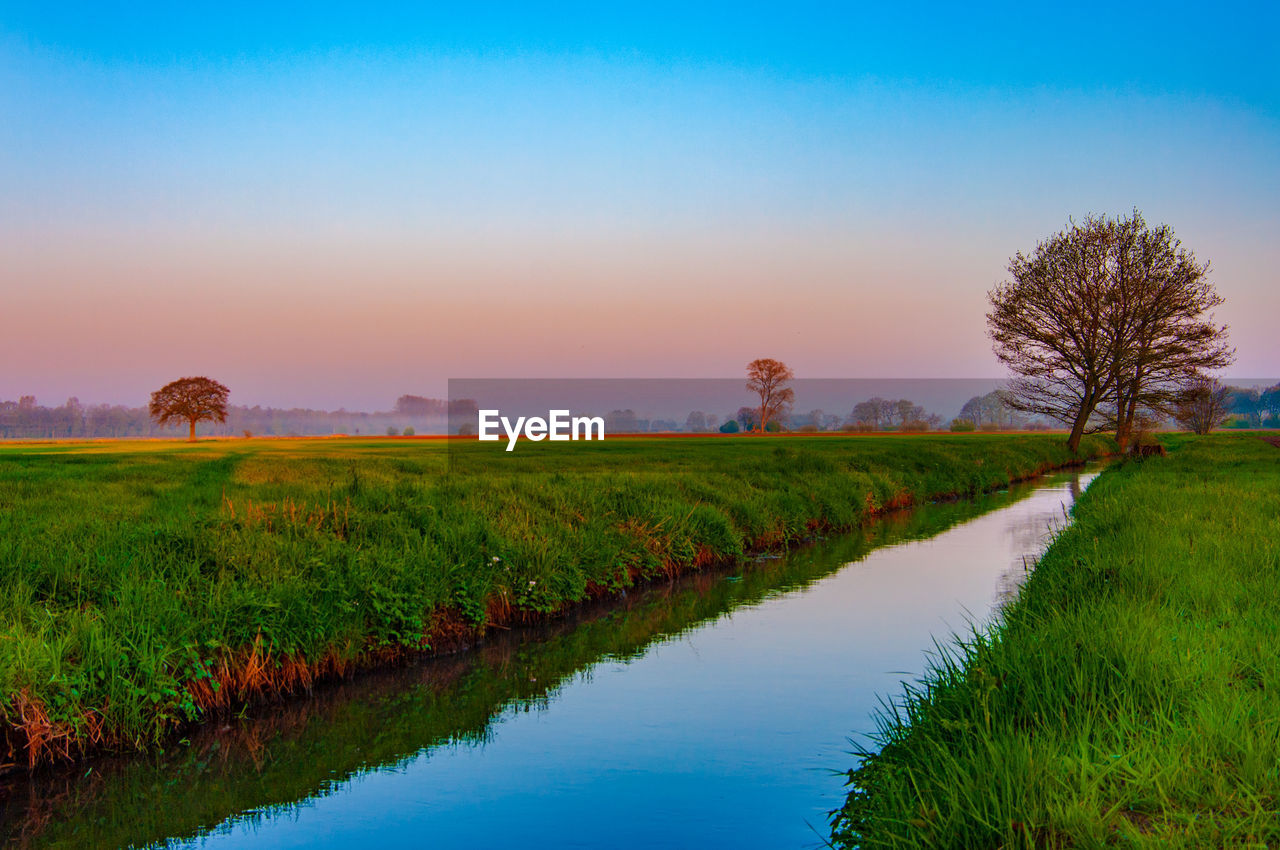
(1104, 321)
(191, 400)
(768, 379)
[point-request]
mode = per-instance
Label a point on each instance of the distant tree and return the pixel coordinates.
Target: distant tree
(773, 426)
(748, 418)
(922, 422)
(393, 431)
(1203, 406)
(729, 427)
(191, 400)
(972, 411)
(962, 425)
(865, 416)
(1270, 404)
(872, 414)
(905, 410)
(811, 421)
(876, 414)
(409, 431)
(888, 409)
(696, 422)
(27, 416)
(768, 379)
(1245, 402)
(1103, 321)
(991, 411)
(71, 418)
(624, 422)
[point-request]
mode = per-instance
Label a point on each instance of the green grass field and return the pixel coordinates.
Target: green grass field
(1131, 696)
(145, 584)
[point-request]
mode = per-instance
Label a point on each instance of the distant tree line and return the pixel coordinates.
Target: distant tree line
(1254, 407)
(994, 412)
(882, 414)
(25, 418)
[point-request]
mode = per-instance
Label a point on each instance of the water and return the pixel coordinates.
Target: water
(713, 712)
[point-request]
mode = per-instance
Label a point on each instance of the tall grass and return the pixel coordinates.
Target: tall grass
(1131, 696)
(147, 585)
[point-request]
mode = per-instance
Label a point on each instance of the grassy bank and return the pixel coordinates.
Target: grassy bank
(1131, 695)
(146, 585)
(279, 757)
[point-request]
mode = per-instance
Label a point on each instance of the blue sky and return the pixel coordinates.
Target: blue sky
(598, 189)
(1223, 51)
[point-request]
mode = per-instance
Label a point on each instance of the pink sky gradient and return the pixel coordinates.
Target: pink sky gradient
(357, 323)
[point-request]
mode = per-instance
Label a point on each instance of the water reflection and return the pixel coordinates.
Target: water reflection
(1030, 532)
(705, 712)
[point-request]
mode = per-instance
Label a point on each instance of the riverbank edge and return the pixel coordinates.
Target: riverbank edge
(252, 676)
(967, 756)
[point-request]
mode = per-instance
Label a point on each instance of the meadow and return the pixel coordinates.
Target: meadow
(1129, 696)
(149, 585)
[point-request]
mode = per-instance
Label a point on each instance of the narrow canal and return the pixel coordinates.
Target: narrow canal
(712, 712)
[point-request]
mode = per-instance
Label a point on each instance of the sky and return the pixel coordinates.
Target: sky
(331, 204)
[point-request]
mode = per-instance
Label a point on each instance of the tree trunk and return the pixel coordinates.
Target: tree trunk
(1126, 412)
(1077, 432)
(192, 437)
(1082, 419)
(1124, 430)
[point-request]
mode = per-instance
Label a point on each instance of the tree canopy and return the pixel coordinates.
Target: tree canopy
(192, 400)
(768, 379)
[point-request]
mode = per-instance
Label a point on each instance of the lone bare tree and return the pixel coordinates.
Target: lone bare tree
(1104, 321)
(191, 400)
(1203, 406)
(768, 379)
